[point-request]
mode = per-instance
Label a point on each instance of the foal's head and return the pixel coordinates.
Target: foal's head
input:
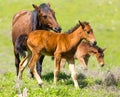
(88, 33)
(99, 53)
(47, 17)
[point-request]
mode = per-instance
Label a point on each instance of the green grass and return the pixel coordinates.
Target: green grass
(103, 16)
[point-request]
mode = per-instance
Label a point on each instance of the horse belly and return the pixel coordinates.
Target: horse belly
(48, 53)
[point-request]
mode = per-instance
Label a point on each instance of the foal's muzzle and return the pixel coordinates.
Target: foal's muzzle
(101, 65)
(94, 43)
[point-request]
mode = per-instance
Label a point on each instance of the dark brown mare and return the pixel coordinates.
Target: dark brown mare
(42, 42)
(42, 17)
(83, 53)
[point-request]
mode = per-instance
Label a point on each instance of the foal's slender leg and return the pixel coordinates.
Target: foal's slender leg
(23, 65)
(38, 66)
(62, 63)
(82, 61)
(32, 64)
(86, 60)
(56, 67)
(73, 72)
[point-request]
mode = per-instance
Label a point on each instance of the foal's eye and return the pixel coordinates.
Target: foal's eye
(88, 32)
(45, 17)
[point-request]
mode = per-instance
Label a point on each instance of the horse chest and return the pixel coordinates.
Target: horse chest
(69, 54)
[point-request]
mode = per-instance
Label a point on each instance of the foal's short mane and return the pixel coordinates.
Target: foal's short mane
(75, 27)
(96, 47)
(100, 50)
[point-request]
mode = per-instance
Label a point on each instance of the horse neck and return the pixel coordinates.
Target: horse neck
(75, 37)
(93, 50)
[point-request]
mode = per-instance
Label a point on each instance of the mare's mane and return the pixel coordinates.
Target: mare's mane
(76, 26)
(44, 7)
(35, 19)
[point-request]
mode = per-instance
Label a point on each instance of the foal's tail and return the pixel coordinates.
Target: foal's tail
(21, 44)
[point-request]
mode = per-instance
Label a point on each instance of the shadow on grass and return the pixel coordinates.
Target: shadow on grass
(67, 78)
(82, 80)
(49, 76)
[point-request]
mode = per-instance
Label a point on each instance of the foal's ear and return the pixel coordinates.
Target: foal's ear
(49, 4)
(36, 7)
(81, 24)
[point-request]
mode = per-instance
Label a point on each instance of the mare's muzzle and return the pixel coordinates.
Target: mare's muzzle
(57, 29)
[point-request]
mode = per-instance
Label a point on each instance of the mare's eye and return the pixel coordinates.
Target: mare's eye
(88, 32)
(45, 17)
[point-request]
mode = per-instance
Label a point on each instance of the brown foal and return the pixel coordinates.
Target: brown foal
(59, 45)
(83, 53)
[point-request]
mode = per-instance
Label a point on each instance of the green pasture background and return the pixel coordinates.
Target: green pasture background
(103, 16)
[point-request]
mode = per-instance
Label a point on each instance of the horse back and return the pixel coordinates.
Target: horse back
(20, 14)
(43, 40)
(21, 24)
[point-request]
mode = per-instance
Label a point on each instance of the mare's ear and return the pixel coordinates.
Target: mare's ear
(49, 4)
(36, 7)
(81, 24)
(104, 49)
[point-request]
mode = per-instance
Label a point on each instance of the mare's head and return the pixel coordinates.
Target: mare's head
(99, 53)
(87, 33)
(47, 17)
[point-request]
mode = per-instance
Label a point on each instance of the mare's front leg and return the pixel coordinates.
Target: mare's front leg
(56, 67)
(38, 66)
(73, 72)
(32, 64)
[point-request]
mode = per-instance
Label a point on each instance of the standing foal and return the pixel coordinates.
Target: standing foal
(42, 42)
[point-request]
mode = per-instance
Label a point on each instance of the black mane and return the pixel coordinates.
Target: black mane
(73, 29)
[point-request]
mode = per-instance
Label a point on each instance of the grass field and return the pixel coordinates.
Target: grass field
(103, 16)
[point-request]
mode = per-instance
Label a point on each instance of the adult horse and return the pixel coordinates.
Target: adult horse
(42, 42)
(42, 17)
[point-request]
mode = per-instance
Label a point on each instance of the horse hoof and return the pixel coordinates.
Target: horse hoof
(85, 69)
(41, 85)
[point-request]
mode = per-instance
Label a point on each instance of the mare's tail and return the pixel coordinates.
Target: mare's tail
(21, 45)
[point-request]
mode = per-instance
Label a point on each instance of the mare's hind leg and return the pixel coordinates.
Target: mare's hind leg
(38, 66)
(32, 64)
(73, 72)
(17, 61)
(22, 65)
